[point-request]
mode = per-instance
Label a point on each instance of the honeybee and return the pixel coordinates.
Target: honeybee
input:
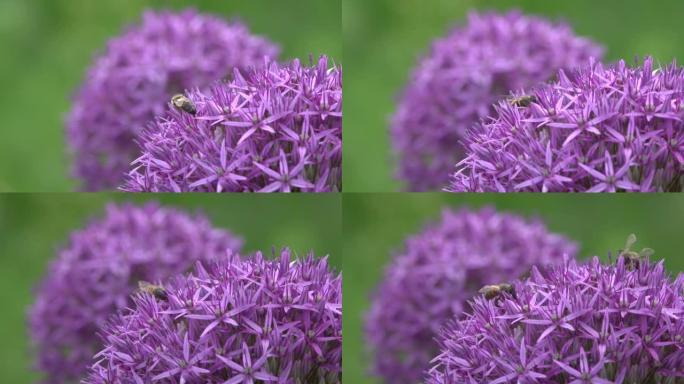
(522, 101)
(493, 291)
(633, 259)
(155, 290)
(183, 103)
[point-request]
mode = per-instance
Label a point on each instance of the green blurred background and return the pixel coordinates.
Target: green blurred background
(375, 225)
(34, 226)
(46, 46)
(384, 38)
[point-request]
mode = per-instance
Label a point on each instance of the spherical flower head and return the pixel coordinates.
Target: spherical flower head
(232, 321)
(277, 128)
(595, 129)
(93, 276)
(440, 268)
(464, 73)
(575, 323)
(131, 82)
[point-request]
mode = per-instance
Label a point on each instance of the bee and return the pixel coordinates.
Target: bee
(633, 259)
(155, 290)
(522, 101)
(493, 291)
(183, 103)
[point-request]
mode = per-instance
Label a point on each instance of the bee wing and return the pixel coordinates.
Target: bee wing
(646, 253)
(631, 239)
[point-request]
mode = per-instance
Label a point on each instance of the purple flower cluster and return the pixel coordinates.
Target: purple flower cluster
(234, 321)
(463, 75)
(595, 129)
(276, 128)
(96, 272)
(575, 323)
(429, 282)
(133, 79)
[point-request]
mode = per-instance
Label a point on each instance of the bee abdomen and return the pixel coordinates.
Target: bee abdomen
(493, 291)
(522, 101)
(157, 291)
(184, 103)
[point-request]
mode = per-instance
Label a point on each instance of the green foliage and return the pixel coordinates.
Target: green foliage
(376, 225)
(48, 44)
(34, 226)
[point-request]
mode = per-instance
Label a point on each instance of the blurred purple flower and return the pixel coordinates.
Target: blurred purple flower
(275, 129)
(429, 282)
(463, 75)
(234, 321)
(96, 272)
(596, 129)
(575, 323)
(138, 73)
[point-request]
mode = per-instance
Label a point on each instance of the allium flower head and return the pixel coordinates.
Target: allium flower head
(595, 129)
(429, 282)
(234, 321)
(464, 73)
(139, 71)
(274, 128)
(93, 276)
(575, 323)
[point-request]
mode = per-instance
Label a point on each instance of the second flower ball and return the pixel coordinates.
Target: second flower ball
(233, 321)
(273, 128)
